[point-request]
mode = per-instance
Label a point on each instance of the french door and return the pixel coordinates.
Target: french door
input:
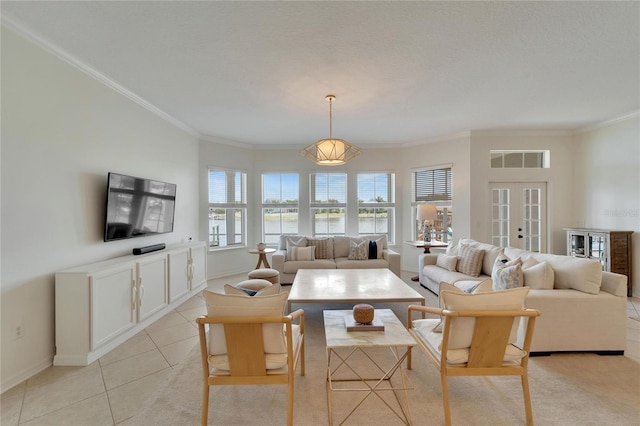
(519, 215)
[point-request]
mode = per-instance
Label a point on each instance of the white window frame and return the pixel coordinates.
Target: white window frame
(317, 205)
(231, 192)
(282, 205)
(440, 194)
(388, 205)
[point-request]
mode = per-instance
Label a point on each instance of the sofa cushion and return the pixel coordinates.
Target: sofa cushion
(447, 262)
(438, 275)
(324, 247)
(358, 250)
(572, 272)
(292, 266)
(470, 261)
(462, 328)
(507, 273)
(341, 245)
(345, 263)
(537, 275)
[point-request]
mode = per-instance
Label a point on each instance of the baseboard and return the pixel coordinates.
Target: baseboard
(601, 353)
(21, 376)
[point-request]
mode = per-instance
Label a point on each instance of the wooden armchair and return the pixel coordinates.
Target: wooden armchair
(242, 350)
(475, 342)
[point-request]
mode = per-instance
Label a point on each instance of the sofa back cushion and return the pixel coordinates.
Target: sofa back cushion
(291, 240)
(568, 272)
(573, 272)
(341, 245)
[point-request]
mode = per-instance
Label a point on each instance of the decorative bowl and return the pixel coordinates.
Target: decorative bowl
(363, 313)
(261, 246)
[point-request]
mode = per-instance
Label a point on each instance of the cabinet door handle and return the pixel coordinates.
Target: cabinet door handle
(141, 292)
(134, 295)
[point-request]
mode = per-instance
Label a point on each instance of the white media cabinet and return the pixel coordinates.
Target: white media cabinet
(101, 305)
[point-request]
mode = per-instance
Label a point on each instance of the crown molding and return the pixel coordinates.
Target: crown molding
(592, 127)
(460, 135)
(18, 28)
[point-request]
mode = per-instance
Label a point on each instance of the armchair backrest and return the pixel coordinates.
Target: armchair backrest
(244, 323)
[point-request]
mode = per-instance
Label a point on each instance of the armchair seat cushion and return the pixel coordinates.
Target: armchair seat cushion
(275, 363)
(433, 339)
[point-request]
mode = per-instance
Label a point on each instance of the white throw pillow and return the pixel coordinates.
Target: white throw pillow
(462, 328)
(301, 253)
(221, 305)
(447, 262)
(537, 275)
(507, 273)
(359, 251)
(296, 242)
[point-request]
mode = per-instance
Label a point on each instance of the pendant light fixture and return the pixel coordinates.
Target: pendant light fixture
(330, 152)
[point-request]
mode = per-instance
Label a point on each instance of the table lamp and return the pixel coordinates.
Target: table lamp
(427, 215)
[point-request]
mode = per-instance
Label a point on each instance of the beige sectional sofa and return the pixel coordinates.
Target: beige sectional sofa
(330, 253)
(582, 307)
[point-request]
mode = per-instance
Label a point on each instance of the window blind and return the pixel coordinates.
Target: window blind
(433, 185)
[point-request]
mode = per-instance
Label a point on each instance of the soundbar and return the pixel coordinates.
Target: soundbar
(148, 249)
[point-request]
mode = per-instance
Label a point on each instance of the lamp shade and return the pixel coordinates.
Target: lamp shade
(427, 212)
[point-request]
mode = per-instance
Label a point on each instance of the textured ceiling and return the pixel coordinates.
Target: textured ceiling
(403, 72)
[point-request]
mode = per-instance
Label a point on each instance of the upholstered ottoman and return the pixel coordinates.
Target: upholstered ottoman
(268, 274)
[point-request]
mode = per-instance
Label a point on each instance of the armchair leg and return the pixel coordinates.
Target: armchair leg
(290, 404)
(205, 405)
(445, 401)
(527, 398)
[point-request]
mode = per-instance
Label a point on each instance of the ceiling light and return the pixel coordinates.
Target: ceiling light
(330, 152)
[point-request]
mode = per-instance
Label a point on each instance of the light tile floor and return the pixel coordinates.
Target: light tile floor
(110, 390)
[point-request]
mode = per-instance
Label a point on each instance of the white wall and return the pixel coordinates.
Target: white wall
(453, 151)
(62, 131)
(607, 181)
(559, 179)
(258, 161)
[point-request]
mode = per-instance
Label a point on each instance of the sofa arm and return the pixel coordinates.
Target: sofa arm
(394, 260)
(613, 283)
(424, 260)
(277, 260)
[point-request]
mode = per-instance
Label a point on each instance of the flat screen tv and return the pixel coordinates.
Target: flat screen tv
(138, 207)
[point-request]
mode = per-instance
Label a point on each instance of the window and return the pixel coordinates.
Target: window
(227, 208)
(328, 203)
(280, 194)
(434, 186)
(376, 204)
(529, 159)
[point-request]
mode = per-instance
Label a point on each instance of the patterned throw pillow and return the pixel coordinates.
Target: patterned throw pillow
(293, 243)
(470, 260)
(507, 273)
(324, 247)
(358, 251)
(301, 253)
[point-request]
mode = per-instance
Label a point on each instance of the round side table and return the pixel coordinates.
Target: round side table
(262, 256)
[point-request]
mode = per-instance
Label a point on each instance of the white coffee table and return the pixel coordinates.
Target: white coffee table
(342, 347)
(350, 286)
